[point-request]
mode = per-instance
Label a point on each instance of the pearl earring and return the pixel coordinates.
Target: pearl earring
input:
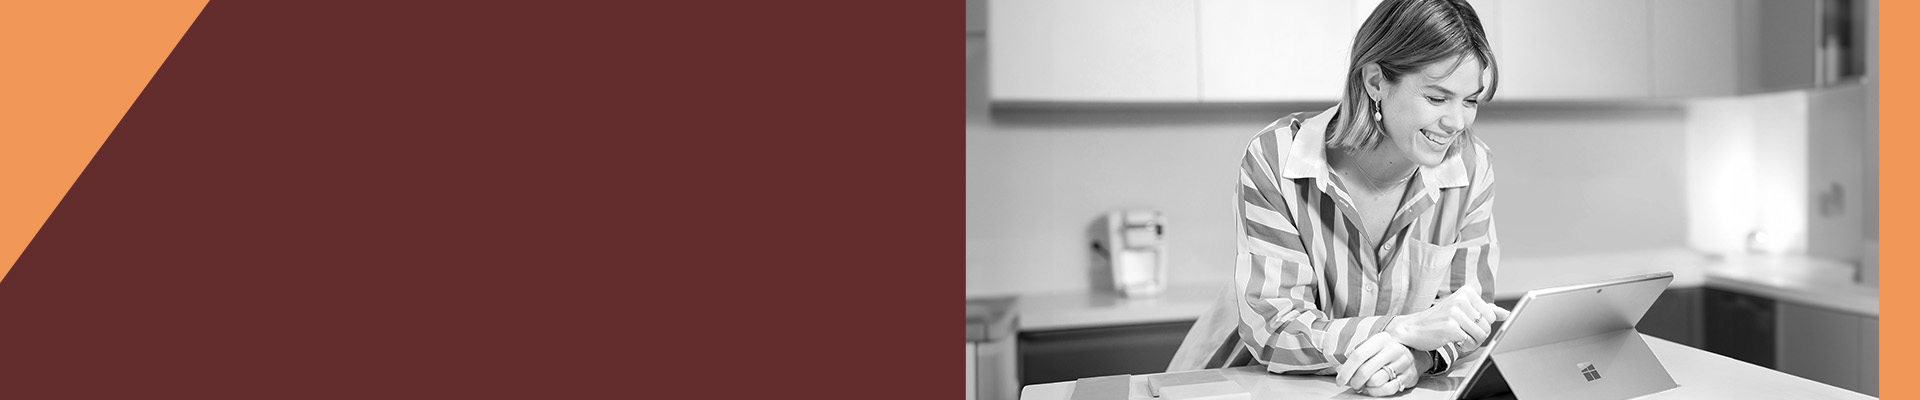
(1376, 111)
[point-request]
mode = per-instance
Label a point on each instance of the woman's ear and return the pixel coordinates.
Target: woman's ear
(1374, 81)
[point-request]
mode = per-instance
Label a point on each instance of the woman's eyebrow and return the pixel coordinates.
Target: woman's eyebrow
(1449, 93)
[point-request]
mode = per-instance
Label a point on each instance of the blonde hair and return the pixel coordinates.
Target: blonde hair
(1403, 36)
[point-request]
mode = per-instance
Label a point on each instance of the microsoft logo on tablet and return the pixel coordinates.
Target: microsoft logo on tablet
(1587, 370)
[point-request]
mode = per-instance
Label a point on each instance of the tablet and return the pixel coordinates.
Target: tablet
(1575, 342)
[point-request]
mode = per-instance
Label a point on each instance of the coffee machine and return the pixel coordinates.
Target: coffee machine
(1133, 248)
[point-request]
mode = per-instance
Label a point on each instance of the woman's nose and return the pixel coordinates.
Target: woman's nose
(1453, 121)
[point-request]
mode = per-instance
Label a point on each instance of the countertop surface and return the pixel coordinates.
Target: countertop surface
(991, 318)
(1701, 375)
(1068, 310)
(1794, 279)
(1819, 283)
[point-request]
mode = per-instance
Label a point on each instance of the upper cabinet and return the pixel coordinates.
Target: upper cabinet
(1274, 50)
(1778, 45)
(1694, 47)
(1575, 49)
(1736, 47)
(1224, 51)
(1093, 50)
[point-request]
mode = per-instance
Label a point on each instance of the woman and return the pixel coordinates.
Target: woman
(1367, 245)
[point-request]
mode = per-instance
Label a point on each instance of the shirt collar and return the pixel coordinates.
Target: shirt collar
(1307, 156)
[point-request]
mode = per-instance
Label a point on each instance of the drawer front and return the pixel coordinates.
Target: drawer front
(1071, 354)
(1740, 326)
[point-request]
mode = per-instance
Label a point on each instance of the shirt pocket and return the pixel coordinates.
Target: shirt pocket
(1429, 265)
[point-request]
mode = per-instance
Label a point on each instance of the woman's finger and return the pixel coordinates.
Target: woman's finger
(1406, 365)
(1456, 334)
(1401, 384)
(1365, 371)
(1464, 326)
(1381, 360)
(1350, 369)
(1475, 330)
(1407, 382)
(1402, 367)
(1347, 369)
(1486, 312)
(1381, 391)
(1379, 378)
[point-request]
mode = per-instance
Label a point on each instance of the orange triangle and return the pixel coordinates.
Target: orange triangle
(71, 71)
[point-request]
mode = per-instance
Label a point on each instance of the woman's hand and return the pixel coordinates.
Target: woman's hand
(1380, 366)
(1461, 318)
(1382, 384)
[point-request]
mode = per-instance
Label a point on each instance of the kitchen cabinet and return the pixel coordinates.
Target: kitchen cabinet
(1821, 345)
(996, 373)
(1285, 50)
(1740, 326)
(1694, 48)
(1870, 356)
(1225, 51)
(1703, 48)
(1832, 347)
(976, 17)
(1177, 51)
(1069, 354)
(1275, 50)
(992, 352)
(1574, 49)
(1777, 45)
(1734, 47)
(1093, 50)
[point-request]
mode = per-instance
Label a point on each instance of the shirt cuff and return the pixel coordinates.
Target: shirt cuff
(1447, 356)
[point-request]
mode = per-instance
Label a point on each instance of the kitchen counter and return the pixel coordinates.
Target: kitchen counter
(1068, 310)
(1700, 374)
(1795, 279)
(1813, 282)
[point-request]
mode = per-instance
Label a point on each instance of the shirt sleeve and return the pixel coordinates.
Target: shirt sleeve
(1280, 321)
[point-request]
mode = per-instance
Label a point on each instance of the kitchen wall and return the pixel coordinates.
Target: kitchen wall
(1748, 157)
(1574, 179)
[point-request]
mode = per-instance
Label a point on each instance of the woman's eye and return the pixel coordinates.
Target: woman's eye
(1436, 100)
(1473, 103)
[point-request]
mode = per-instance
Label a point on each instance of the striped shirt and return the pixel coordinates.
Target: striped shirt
(1309, 284)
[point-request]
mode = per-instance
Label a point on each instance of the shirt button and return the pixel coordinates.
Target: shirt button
(1368, 288)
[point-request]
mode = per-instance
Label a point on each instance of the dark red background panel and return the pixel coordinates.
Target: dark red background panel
(535, 200)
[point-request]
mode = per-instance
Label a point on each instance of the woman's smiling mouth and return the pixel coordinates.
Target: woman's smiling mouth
(1437, 138)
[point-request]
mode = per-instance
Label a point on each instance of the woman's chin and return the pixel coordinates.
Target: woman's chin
(1429, 159)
